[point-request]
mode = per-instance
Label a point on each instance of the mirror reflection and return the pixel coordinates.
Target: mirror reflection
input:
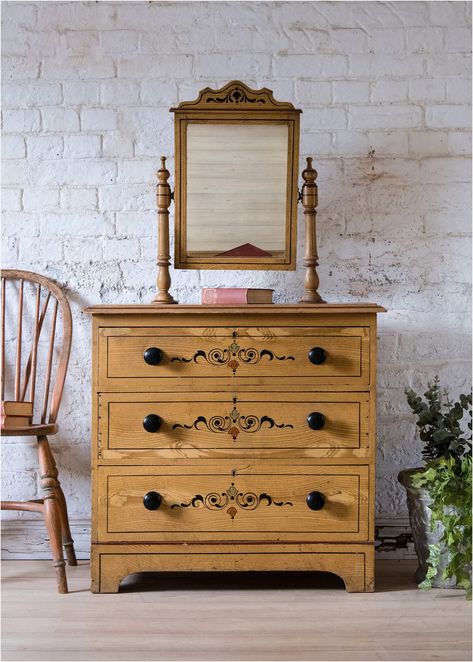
(236, 189)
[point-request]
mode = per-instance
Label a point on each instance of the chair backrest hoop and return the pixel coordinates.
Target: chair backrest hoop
(61, 301)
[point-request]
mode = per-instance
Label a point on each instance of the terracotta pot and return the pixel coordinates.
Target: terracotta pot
(418, 502)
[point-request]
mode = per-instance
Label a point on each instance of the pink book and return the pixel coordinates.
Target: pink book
(235, 295)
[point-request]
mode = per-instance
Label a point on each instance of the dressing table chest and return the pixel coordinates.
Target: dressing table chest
(233, 438)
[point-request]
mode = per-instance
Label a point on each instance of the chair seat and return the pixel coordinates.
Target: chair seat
(30, 430)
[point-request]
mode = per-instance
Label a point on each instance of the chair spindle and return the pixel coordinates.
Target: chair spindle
(34, 351)
(40, 326)
(3, 338)
(49, 362)
(19, 339)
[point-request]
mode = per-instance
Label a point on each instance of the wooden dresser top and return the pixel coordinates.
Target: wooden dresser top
(251, 309)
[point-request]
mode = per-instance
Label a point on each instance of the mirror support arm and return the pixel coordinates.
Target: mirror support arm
(309, 197)
(163, 202)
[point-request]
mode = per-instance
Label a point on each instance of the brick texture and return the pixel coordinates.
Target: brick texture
(385, 89)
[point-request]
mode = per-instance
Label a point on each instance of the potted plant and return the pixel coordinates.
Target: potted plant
(439, 493)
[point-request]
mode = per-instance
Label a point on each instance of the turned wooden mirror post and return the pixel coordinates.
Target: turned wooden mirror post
(163, 202)
(309, 197)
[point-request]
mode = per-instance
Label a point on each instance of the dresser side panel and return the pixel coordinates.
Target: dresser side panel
(95, 428)
(373, 424)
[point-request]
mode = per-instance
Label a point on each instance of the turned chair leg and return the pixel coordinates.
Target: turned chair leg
(67, 540)
(54, 514)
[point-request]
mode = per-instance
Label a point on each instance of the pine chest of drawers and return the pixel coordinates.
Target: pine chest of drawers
(233, 438)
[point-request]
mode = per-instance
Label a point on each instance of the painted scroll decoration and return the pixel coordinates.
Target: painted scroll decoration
(233, 498)
(234, 94)
(233, 424)
(232, 356)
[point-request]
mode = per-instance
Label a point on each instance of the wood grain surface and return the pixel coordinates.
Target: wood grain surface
(195, 424)
(261, 506)
(233, 458)
(268, 353)
(353, 563)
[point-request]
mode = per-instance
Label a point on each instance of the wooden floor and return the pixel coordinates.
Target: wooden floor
(272, 616)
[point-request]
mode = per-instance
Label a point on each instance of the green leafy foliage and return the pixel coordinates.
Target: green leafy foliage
(439, 421)
(448, 482)
(447, 477)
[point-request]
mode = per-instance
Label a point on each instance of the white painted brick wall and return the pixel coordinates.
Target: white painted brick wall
(384, 87)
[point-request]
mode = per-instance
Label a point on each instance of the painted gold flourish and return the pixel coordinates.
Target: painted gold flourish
(234, 423)
(243, 500)
(232, 355)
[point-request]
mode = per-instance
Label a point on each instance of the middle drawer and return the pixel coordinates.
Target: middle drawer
(192, 425)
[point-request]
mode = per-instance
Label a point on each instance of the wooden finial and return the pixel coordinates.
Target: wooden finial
(311, 259)
(309, 174)
(162, 176)
(163, 201)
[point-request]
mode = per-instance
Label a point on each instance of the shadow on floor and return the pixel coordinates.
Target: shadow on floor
(226, 581)
(391, 576)
(399, 578)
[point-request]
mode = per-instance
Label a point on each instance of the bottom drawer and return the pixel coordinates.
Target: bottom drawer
(146, 504)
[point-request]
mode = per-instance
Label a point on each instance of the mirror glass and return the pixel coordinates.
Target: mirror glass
(236, 189)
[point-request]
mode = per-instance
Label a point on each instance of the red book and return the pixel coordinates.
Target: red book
(235, 295)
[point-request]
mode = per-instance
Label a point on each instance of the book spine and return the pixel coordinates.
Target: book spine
(221, 295)
(15, 421)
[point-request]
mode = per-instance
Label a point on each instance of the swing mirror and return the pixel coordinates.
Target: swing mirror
(236, 160)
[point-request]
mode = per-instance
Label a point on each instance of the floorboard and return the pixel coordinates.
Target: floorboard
(252, 616)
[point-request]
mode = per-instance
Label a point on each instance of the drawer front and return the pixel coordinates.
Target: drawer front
(335, 355)
(203, 425)
(259, 506)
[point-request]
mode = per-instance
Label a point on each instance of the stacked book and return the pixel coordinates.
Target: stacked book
(235, 295)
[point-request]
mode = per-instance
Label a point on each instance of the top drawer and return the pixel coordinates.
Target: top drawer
(146, 358)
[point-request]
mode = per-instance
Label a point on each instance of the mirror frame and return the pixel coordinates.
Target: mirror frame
(238, 103)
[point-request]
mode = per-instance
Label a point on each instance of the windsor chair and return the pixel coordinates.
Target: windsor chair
(32, 314)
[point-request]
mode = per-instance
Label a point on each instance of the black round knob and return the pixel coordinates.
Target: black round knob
(153, 356)
(316, 420)
(317, 355)
(315, 500)
(152, 500)
(152, 422)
